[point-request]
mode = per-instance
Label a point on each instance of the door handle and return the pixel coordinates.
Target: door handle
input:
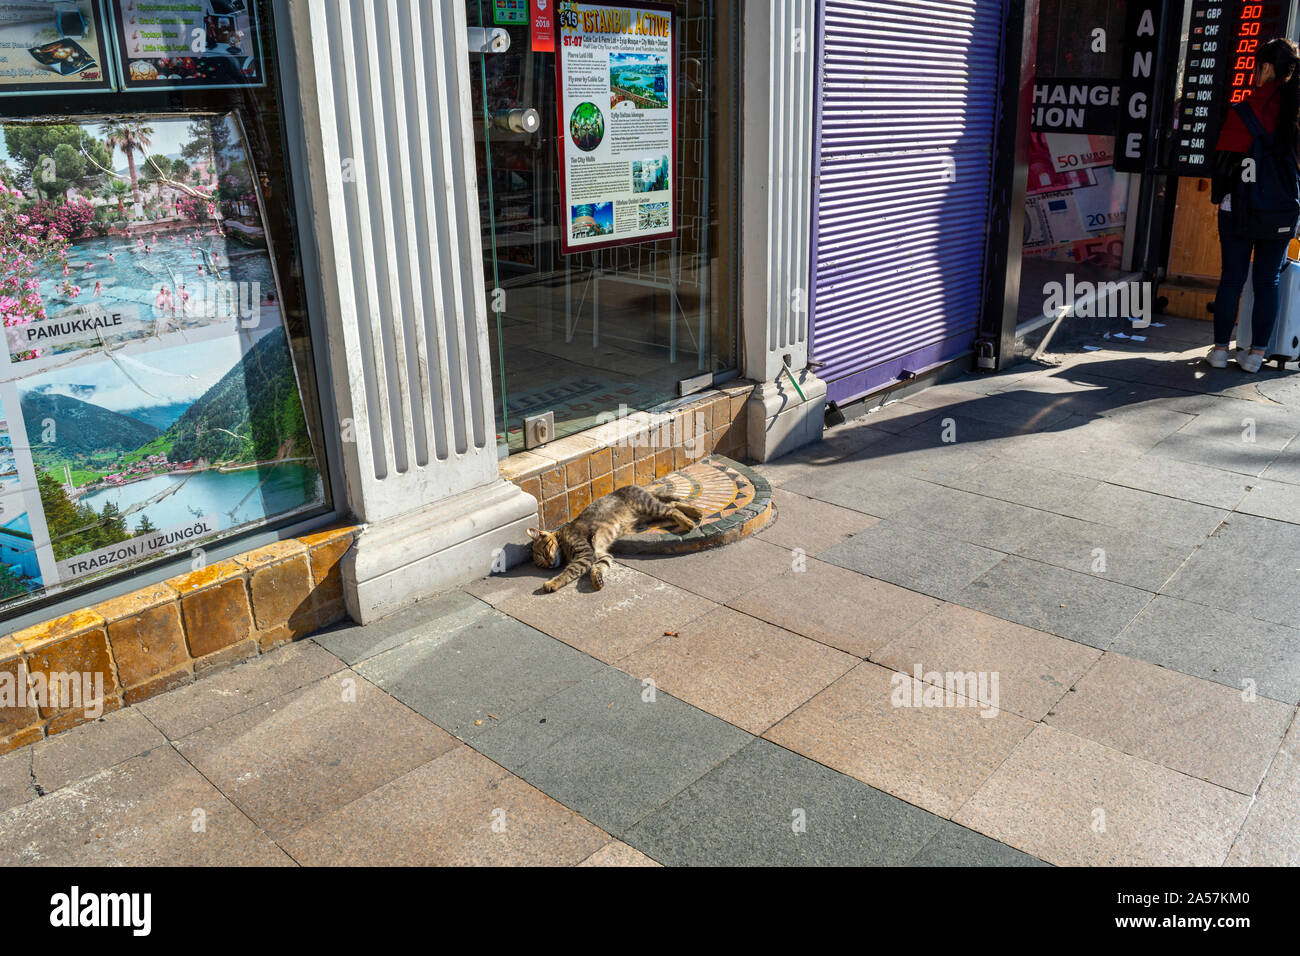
(521, 119)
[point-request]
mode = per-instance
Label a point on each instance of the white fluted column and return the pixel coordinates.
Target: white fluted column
(386, 104)
(780, 83)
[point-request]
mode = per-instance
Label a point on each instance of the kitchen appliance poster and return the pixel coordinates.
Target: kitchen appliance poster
(188, 44)
(616, 75)
(149, 401)
(52, 48)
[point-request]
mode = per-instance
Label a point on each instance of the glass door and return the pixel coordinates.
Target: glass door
(579, 331)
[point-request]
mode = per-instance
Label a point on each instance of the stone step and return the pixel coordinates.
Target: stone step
(736, 501)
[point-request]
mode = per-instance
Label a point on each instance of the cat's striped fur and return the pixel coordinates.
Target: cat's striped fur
(584, 542)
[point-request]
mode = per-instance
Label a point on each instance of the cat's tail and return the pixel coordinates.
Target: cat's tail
(668, 497)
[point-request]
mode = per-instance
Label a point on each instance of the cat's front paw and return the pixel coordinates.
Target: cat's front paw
(550, 587)
(597, 578)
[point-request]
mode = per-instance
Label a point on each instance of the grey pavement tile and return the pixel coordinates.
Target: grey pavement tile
(1024, 484)
(898, 416)
(1239, 457)
(957, 430)
(811, 525)
(180, 712)
(1240, 584)
(939, 397)
(299, 757)
(1073, 802)
(785, 469)
(929, 457)
(1253, 423)
(1286, 466)
(1270, 836)
(838, 449)
(1180, 722)
(842, 441)
(877, 492)
(746, 671)
(459, 809)
(1019, 371)
(1030, 412)
(919, 560)
(1221, 646)
(1283, 388)
(152, 810)
(1115, 554)
(487, 670)
(881, 727)
(92, 747)
(16, 778)
(1186, 481)
(632, 610)
(618, 853)
(1109, 396)
(766, 806)
(1073, 452)
(1034, 669)
(1226, 404)
(1273, 499)
(1147, 513)
(717, 574)
(973, 518)
(955, 845)
(1153, 420)
(1189, 374)
(1133, 431)
(1026, 386)
(445, 614)
(836, 606)
(610, 749)
(1257, 539)
(1078, 606)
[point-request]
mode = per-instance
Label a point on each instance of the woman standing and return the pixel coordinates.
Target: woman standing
(1275, 103)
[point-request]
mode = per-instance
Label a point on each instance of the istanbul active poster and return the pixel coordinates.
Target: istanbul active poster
(616, 77)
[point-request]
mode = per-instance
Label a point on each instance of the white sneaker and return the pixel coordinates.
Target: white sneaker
(1218, 358)
(1250, 362)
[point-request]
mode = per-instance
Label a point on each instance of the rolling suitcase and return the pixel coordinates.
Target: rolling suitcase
(1284, 345)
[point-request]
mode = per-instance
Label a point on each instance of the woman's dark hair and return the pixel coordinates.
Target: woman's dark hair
(1285, 58)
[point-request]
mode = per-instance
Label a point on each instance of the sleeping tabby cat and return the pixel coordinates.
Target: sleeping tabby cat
(584, 542)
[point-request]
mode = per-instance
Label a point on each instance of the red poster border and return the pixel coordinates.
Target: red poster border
(562, 137)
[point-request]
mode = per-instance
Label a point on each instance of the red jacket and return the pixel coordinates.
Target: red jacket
(1265, 101)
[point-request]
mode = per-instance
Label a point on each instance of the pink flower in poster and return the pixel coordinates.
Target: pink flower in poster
(32, 242)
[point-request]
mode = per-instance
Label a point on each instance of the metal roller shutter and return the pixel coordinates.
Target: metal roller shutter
(906, 124)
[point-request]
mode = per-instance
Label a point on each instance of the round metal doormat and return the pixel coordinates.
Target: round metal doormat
(736, 501)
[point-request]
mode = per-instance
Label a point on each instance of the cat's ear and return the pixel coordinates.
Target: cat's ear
(534, 533)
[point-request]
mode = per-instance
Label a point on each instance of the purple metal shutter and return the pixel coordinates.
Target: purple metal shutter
(906, 123)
